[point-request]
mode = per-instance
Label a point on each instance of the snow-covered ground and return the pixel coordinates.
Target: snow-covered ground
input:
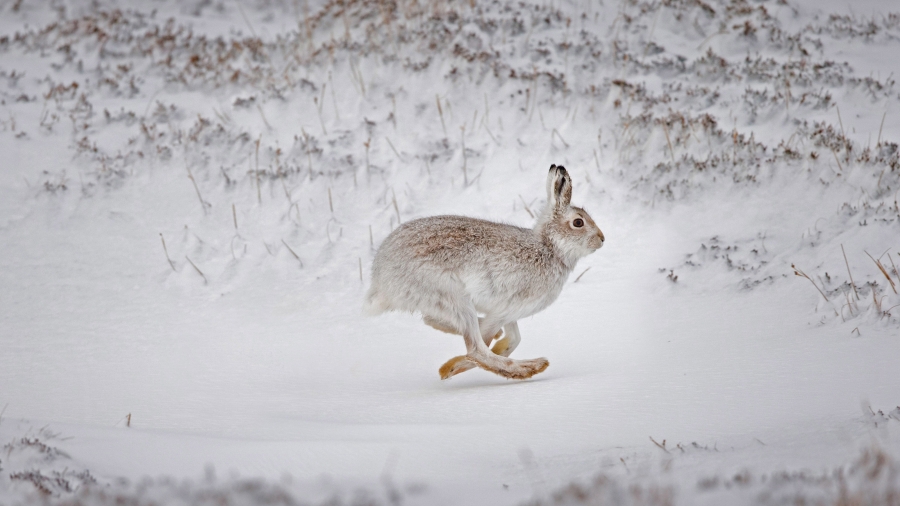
(191, 195)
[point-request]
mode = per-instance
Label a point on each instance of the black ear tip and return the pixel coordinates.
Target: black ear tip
(553, 166)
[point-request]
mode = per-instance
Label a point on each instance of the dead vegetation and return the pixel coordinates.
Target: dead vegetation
(35, 447)
(130, 49)
(873, 478)
(669, 125)
(874, 300)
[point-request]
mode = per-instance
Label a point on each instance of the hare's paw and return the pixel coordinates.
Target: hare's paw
(529, 368)
(509, 368)
(501, 347)
(455, 366)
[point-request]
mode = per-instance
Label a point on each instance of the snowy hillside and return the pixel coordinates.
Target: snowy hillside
(192, 193)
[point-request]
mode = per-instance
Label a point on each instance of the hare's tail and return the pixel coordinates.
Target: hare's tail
(375, 303)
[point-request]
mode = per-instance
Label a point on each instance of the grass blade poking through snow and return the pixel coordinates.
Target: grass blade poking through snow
(883, 271)
(802, 274)
(293, 252)
(166, 251)
(582, 274)
(852, 283)
(197, 269)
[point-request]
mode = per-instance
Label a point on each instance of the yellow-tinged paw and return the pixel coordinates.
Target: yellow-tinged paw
(501, 346)
(455, 366)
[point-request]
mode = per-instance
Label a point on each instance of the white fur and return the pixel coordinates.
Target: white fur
(452, 268)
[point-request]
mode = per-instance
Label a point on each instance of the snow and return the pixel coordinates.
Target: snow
(688, 363)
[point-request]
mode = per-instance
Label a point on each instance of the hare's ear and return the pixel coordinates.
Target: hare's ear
(559, 188)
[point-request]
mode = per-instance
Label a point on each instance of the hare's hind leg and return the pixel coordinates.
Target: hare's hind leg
(440, 325)
(447, 328)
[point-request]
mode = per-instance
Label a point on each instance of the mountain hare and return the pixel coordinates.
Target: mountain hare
(451, 268)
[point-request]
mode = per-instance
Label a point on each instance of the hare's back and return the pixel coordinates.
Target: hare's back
(454, 241)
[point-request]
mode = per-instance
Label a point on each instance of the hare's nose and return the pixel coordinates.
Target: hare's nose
(602, 239)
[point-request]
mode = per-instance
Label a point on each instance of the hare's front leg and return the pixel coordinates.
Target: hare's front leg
(510, 341)
(504, 347)
(489, 332)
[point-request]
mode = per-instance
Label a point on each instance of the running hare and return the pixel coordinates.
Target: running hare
(451, 268)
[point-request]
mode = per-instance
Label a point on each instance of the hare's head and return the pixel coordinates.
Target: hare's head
(570, 228)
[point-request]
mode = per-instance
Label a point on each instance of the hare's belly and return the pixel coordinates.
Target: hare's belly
(512, 299)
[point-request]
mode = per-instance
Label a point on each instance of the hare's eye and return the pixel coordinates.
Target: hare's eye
(578, 222)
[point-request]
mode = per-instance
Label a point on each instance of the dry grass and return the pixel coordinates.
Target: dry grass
(872, 479)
